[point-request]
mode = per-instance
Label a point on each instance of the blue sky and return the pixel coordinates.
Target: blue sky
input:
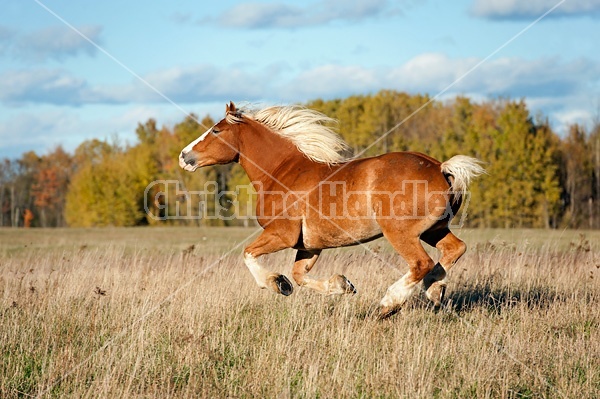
(57, 88)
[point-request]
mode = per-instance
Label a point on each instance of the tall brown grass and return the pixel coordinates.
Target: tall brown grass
(170, 313)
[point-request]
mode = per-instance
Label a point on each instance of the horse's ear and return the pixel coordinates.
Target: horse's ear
(230, 108)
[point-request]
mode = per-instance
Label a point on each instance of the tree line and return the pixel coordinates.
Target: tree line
(536, 178)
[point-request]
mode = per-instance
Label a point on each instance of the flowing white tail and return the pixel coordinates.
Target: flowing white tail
(462, 168)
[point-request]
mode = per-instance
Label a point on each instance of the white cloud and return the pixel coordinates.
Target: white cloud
(554, 85)
(56, 42)
(351, 10)
(515, 77)
(42, 86)
(569, 117)
(431, 73)
(519, 9)
(262, 15)
(6, 36)
(201, 83)
(43, 128)
(281, 15)
(332, 80)
(204, 83)
(36, 131)
(426, 73)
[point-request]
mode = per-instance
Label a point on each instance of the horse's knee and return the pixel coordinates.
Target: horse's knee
(420, 269)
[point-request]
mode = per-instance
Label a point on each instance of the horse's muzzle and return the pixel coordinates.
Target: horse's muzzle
(188, 160)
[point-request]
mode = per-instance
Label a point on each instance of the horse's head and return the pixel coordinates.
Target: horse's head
(218, 145)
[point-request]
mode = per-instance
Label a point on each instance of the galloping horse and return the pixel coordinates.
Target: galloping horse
(311, 198)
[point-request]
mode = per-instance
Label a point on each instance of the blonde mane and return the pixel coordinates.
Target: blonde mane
(308, 129)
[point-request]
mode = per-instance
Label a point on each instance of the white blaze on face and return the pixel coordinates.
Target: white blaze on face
(188, 148)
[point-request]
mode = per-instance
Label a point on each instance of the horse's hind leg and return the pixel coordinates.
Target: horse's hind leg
(420, 265)
(304, 262)
(452, 248)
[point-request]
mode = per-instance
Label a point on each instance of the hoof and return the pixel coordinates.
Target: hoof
(438, 306)
(280, 284)
(339, 284)
(387, 311)
(436, 293)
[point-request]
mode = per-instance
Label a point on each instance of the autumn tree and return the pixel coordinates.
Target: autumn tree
(577, 173)
(594, 201)
(50, 185)
(108, 190)
(22, 173)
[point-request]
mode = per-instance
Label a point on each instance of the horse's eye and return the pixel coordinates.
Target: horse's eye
(215, 131)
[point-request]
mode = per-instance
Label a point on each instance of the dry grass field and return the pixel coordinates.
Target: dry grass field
(173, 312)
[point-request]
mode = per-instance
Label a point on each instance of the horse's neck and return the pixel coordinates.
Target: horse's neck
(263, 155)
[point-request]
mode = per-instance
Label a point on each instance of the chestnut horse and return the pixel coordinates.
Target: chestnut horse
(310, 198)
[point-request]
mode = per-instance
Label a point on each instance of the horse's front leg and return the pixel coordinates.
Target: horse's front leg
(267, 243)
(304, 262)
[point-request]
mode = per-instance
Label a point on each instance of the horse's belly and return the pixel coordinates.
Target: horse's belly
(330, 233)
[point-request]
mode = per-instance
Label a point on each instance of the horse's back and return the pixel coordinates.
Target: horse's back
(392, 168)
